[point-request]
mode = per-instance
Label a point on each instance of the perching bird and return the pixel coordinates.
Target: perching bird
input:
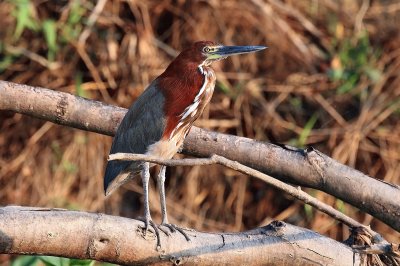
(158, 122)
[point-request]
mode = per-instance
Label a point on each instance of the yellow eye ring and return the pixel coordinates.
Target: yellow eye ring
(206, 49)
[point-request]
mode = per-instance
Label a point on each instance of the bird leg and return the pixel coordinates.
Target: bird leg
(161, 188)
(147, 217)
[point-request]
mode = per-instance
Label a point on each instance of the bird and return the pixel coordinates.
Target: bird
(159, 120)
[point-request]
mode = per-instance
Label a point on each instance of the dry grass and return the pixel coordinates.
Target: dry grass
(330, 79)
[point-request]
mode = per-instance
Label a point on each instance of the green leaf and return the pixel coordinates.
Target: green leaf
(349, 85)
(6, 62)
(25, 261)
(296, 102)
(74, 262)
(50, 34)
(71, 30)
(357, 59)
(373, 74)
(225, 89)
(76, 13)
(69, 167)
(309, 211)
(23, 14)
(78, 86)
(336, 74)
(54, 261)
(307, 129)
(340, 206)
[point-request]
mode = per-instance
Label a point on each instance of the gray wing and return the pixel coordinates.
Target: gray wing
(142, 126)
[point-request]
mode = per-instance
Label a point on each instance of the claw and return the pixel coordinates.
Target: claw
(155, 228)
(165, 231)
(173, 228)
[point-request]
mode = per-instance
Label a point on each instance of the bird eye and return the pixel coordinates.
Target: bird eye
(206, 49)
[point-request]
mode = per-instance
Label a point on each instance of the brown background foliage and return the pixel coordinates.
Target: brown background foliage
(329, 79)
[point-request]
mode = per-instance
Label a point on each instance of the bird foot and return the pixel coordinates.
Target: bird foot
(146, 229)
(173, 228)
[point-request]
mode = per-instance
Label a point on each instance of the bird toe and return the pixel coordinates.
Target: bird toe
(148, 224)
(174, 228)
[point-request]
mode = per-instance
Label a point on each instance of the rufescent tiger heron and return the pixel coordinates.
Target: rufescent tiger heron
(159, 120)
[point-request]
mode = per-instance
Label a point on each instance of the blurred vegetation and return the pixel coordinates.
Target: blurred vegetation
(329, 79)
(53, 261)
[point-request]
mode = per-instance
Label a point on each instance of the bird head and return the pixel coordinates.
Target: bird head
(206, 52)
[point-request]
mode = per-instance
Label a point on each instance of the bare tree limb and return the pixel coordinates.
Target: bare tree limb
(120, 240)
(60, 108)
(308, 167)
(295, 192)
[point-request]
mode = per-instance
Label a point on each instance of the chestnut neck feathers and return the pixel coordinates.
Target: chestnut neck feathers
(181, 82)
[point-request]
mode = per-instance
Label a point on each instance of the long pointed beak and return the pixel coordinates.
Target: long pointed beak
(224, 51)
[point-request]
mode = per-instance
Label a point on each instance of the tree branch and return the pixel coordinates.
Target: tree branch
(308, 167)
(120, 240)
(294, 192)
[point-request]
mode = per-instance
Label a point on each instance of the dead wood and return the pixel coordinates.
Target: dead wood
(120, 240)
(309, 168)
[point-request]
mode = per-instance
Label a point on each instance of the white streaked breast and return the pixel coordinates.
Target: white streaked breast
(193, 111)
